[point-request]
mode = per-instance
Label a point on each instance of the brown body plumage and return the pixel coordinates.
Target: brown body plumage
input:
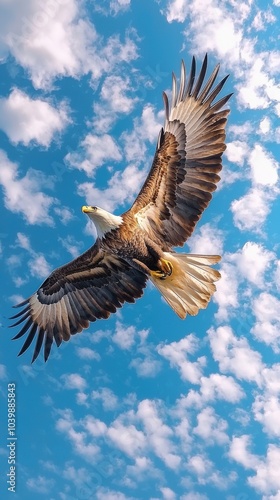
(137, 246)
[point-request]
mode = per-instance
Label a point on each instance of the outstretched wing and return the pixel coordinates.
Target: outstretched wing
(187, 160)
(88, 288)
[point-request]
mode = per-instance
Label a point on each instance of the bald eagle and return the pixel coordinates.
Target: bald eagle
(139, 245)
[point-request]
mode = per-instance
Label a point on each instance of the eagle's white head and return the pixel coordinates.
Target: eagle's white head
(103, 220)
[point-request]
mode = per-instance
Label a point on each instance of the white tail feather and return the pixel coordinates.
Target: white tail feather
(191, 284)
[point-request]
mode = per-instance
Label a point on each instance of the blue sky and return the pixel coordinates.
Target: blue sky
(144, 405)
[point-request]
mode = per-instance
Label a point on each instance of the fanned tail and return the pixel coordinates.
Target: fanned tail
(191, 284)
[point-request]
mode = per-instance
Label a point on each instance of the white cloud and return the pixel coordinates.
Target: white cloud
(95, 426)
(158, 433)
(122, 188)
(235, 355)
(64, 214)
(225, 33)
(253, 260)
(145, 364)
(267, 478)
(124, 336)
(112, 7)
(145, 128)
(262, 18)
(265, 126)
(177, 354)
(277, 275)
(237, 152)
(3, 372)
(71, 244)
(213, 388)
(114, 100)
(106, 494)
(241, 132)
(27, 120)
(87, 353)
(208, 240)
(127, 438)
(97, 151)
(226, 295)
(23, 195)
(219, 32)
(74, 381)
(124, 184)
(37, 265)
(56, 40)
(239, 451)
(266, 409)
(266, 309)
(193, 495)
(108, 399)
(210, 427)
(40, 484)
(271, 377)
(251, 210)
(68, 426)
(218, 386)
(263, 166)
(167, 493)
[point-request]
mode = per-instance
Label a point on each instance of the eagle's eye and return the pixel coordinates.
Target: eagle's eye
(94, 208)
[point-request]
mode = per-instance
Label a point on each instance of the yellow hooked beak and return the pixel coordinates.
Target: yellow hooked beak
(88, 210)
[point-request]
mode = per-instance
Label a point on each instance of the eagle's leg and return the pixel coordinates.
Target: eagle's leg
(165, 269)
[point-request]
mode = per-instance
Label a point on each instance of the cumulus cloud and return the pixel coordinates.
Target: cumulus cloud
(252, 261)
(235, 355)
(158, 433)
(267, 478)
(266, 409)
(251, 210)
(114, 100)
(127, 438)
(226, 295)
(87, 354)
(266, 308)
(95, 151)
(122, 188)
(38, 264)
(145, 130)
(108, 399)
(40, 484)
(112, 7)
(237, 152)
(67, 425)
(177, 354)
(264, 167)
(239, 451)
(145, 363)
(207, 240)
(124, 336)
(19, 191)
(56, 40)
(210, 427)
(124, 184)
(27, 120)
(74, 381)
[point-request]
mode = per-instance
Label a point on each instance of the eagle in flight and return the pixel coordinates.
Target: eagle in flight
(139, 245)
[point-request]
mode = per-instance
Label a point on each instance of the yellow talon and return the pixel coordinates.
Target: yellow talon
(166, 266)
(165, 271)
